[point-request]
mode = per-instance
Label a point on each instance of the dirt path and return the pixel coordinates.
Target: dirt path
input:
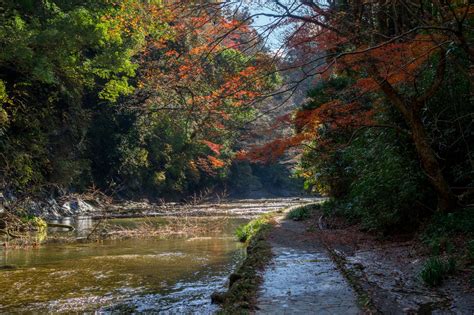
(302, 279)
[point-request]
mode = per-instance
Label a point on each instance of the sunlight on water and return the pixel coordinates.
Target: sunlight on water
(141, 274)
(159, 273)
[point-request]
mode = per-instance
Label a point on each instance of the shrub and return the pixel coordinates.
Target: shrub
(40, 224)
(379, 182)
(302, 213)
(445, 226)
(459, 222)
(387, 183)
(245, 282)
(440, 244)
(435, 270)
(245, 232)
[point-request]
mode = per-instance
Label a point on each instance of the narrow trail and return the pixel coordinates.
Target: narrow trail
(302, 278)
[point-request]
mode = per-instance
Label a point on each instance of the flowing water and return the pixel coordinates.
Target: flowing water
(166, 274)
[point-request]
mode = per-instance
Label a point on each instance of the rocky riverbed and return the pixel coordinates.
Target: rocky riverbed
(78, 205)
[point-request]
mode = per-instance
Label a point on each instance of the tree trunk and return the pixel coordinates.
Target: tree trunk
(411, 113)
(446, 199)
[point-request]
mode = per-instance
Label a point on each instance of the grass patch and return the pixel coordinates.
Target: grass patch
(449, 234)
(302, 213)
(245, 232)
(436, 270)
(244, 283)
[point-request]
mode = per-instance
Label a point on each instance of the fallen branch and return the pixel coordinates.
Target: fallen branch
(10, 234)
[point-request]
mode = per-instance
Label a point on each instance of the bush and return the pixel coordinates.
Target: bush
(387, 183)
(245, 232)
(245, 282)
(436, 270)
(439, 245)
(375, 180)
(444, 227)
(302, 213)
(446, 224)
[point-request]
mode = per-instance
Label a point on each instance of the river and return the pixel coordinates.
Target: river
(159, 273)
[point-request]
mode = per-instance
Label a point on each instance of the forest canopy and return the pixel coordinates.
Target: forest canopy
(130, 96)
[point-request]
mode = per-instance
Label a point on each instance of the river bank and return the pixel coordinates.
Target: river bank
(89, 217)
(105, 207)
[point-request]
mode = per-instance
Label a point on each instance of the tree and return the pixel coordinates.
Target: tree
(195, 92)
(396, 48)
(58, 59)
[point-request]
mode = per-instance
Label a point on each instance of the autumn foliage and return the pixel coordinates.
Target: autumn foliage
(204, 76)
(392, 56)
(141, 97)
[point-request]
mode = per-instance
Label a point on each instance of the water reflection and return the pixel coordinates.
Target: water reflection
(83, 225)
